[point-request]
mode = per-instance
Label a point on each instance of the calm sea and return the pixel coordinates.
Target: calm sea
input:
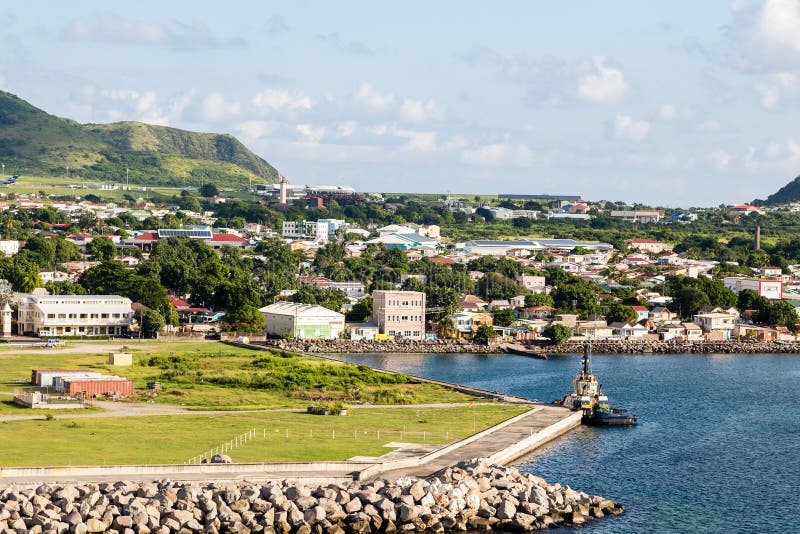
(717, 448)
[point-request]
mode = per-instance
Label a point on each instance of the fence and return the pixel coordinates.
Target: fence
(284, 433)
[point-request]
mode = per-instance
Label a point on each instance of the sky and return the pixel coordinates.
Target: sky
(676, 104)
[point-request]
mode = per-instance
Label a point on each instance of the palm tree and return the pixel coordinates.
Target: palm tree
(445, 328)
(30, 282)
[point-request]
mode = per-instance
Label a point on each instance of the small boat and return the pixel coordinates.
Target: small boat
(516, 348)
(587, 395)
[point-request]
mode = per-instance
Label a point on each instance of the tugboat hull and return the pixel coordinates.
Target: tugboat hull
(609, 419)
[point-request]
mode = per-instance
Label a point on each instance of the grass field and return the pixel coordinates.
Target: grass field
(177, 439)
(218, 376)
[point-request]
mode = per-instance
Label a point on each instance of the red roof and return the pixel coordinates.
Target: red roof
(746, 207)
(638, 308)
(228, 238)
(446, 261)
(147, 236)
(641, 241)
(177, 302)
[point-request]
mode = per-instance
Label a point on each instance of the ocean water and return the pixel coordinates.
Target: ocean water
(717, 447)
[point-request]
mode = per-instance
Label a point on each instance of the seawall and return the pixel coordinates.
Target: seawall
(670, 347)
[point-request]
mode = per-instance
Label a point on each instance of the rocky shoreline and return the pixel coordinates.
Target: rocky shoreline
(671, 347)
(472, 495)
(344, 346)
(454, 346)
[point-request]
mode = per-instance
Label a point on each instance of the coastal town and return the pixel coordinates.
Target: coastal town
(70, 260)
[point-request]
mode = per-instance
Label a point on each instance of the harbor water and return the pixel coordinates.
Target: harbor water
(717, 447)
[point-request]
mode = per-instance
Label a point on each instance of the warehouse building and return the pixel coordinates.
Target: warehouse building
(303, 321)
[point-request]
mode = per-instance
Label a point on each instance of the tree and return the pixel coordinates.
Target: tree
(483, 333)
(689, 300)
(152, 323)
(245, 319)
(781, 313)
(619, 313)
(361, 310)
(102, 248)
(190, 203)
(557, 333)
(504, 317)
(538, 299)
(208, 190)
(333, 299)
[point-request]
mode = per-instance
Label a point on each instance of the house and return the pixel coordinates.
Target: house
(517, 302)
(670, 331)
(465, 323)
(9, 247)
(638, 216)
(720, 309)
(594, 329)
(303, 321)
(74, 315)
(354, 290)
(407, 241)
(534, 284)
(642, 312)
(500, 248)
(627, 331)
(185, 310)
(715, 326)
(399, 313)
(500, 304)
(472, 303)
(759, 333)
(651, 246)
(770, 289)
(567, 319)
(746, 209)
(682, 217)
(661, 314)
(692, 332)
(366, 331)
(145, 240)
(537, 312)
(770, 272)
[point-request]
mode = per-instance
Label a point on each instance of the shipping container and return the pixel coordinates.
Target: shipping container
(46, 378)
(98, 386)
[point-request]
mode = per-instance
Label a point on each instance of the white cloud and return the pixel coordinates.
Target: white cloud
(709, 125)
(347, 128)
(418, 141)
(765, 36)
(719, 159)
(215, 107)
(277, 100)
(601, 84)
(356, 48)
(626, 127)
(499, 154)
(780, 85)
(419, 111)
(311, 133)
(118, 30)
(255, 129)
(672, 112)
(371, 98)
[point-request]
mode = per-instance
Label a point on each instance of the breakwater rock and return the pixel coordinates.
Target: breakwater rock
(675, 347)
(471, 495)
(343, 346)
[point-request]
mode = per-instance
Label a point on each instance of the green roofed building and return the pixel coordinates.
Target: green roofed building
(303, 321)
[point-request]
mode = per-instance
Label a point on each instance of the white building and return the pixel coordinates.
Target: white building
(771, 289)
(306, 230)
(74, 315)
(303, 321)
(9, 247)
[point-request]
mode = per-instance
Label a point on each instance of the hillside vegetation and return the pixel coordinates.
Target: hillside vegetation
(788, 193)
(35, 142)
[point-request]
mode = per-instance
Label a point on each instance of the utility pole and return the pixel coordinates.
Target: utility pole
(127, 183)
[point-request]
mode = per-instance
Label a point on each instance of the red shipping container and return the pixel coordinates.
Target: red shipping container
(74, 388)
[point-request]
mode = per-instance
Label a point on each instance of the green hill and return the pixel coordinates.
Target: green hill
(35, 142)
(788, 193)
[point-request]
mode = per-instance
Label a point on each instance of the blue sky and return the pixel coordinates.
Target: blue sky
(679, 103)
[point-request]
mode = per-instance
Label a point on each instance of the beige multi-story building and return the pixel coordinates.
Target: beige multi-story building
(399, 313)
(74, 315)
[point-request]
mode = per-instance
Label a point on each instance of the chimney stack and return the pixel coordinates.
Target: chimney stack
(758, 237)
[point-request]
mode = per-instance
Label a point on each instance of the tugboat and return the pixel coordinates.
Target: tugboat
(587, 395)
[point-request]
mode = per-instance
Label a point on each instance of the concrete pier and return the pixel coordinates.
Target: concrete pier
(501, 444)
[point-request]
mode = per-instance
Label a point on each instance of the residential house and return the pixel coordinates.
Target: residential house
(366, 331)
(472, 303)
(642, 312)
(692, 332)
(661, 314)
(517, 302)
(399, 313)
(628, 331)
(534, 284)
(567, 319)
(9, 247)
(746, 209)
(303, 321)
(770, 272)
(715, 326)
(670, 331)
(73, 315)
(638, 216)
(537, 312)
(651, 246)
(500, 304)
(594, 329)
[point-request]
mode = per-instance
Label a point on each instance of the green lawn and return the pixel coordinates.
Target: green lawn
(218, 376)
(176, 439)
